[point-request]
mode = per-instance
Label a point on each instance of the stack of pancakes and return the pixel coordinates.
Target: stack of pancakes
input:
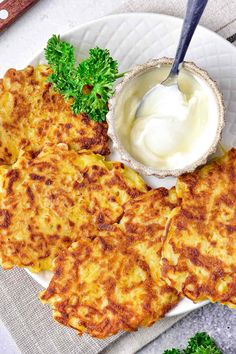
(122, 255)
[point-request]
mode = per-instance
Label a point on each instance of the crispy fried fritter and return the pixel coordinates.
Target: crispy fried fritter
(32, 114)
(199, 254)
(146, 215)
(47, 201)
(111, 281)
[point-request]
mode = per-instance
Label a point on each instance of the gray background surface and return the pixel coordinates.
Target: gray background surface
(218, 321)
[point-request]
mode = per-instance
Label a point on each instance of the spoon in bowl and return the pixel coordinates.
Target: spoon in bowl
(193, 14)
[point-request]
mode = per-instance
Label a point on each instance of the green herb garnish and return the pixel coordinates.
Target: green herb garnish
(201, 343)
(90, 84)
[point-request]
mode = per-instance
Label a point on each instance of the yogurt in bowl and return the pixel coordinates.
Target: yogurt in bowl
(175, 130)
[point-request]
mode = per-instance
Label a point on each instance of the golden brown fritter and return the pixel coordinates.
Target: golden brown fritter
(111, 281)
(46, 202)
(146, 215)
(32, 114)
(199, 254)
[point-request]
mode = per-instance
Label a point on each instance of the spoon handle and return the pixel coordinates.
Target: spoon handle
(193, 14)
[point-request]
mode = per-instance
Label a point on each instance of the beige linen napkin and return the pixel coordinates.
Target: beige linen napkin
(29, 322)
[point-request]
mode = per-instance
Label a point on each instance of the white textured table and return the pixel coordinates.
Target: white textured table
(17, 45)
(29, 33)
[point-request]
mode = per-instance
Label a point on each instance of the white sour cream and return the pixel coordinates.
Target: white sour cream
(165, 126)
(173, 128)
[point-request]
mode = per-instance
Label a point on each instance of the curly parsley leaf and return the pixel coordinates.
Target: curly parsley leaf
(61, 58)
(90, 84)
(200, 343)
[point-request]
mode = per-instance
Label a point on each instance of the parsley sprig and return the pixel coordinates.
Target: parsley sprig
(90, 84)
(201, 343)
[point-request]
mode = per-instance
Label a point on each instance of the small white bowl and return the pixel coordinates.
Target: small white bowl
(122, 89)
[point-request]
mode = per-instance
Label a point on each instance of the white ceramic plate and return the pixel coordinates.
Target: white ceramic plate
(135, 38)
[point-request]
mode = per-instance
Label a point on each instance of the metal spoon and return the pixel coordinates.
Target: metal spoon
(193, 14)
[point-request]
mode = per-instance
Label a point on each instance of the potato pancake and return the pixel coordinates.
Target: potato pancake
(46, 202)
(146, 215)
(111, 281)
(32, 114)
(199, 254)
